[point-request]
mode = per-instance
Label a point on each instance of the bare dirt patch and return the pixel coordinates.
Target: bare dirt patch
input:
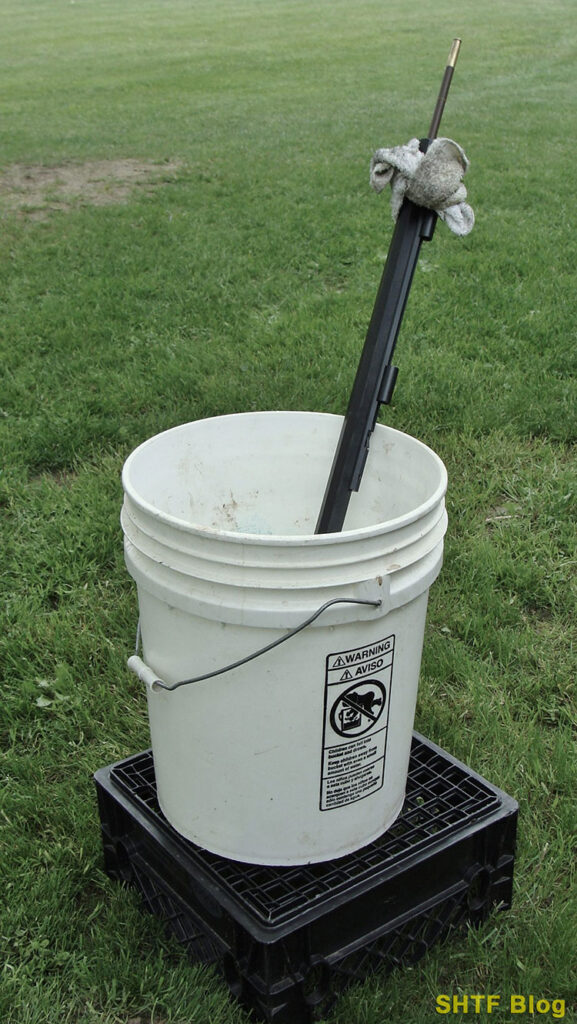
(35, 191)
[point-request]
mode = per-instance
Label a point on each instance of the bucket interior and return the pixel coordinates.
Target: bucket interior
(265, 474)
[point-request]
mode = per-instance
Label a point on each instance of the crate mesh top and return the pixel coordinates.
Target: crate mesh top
(442, 797)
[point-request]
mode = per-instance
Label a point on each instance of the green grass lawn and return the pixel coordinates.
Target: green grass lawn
(239, 273)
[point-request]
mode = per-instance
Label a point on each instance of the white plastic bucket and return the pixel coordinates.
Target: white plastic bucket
(301, 754)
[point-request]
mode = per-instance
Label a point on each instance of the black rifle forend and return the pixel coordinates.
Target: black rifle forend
(376, 376)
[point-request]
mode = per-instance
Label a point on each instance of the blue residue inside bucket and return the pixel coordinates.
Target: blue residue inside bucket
(253, 524)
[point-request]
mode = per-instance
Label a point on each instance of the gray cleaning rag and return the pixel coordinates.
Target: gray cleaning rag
(433, 179)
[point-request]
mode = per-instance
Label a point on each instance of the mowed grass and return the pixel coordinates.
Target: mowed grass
(245, 280)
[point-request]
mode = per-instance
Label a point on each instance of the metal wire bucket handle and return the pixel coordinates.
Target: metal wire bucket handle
(150, 678)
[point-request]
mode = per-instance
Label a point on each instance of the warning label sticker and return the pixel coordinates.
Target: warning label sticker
(357, 697)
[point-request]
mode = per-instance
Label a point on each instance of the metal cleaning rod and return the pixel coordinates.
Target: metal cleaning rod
(444, 90)
(375, 379)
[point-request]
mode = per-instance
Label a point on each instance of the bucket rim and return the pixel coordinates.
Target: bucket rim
(277, 539)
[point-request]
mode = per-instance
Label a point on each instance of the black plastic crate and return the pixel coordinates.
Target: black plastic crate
(289, 939)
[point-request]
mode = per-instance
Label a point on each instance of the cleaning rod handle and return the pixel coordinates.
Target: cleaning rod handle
(444, 90)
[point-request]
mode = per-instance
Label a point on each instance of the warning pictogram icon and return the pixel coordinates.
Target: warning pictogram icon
(359, 708)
